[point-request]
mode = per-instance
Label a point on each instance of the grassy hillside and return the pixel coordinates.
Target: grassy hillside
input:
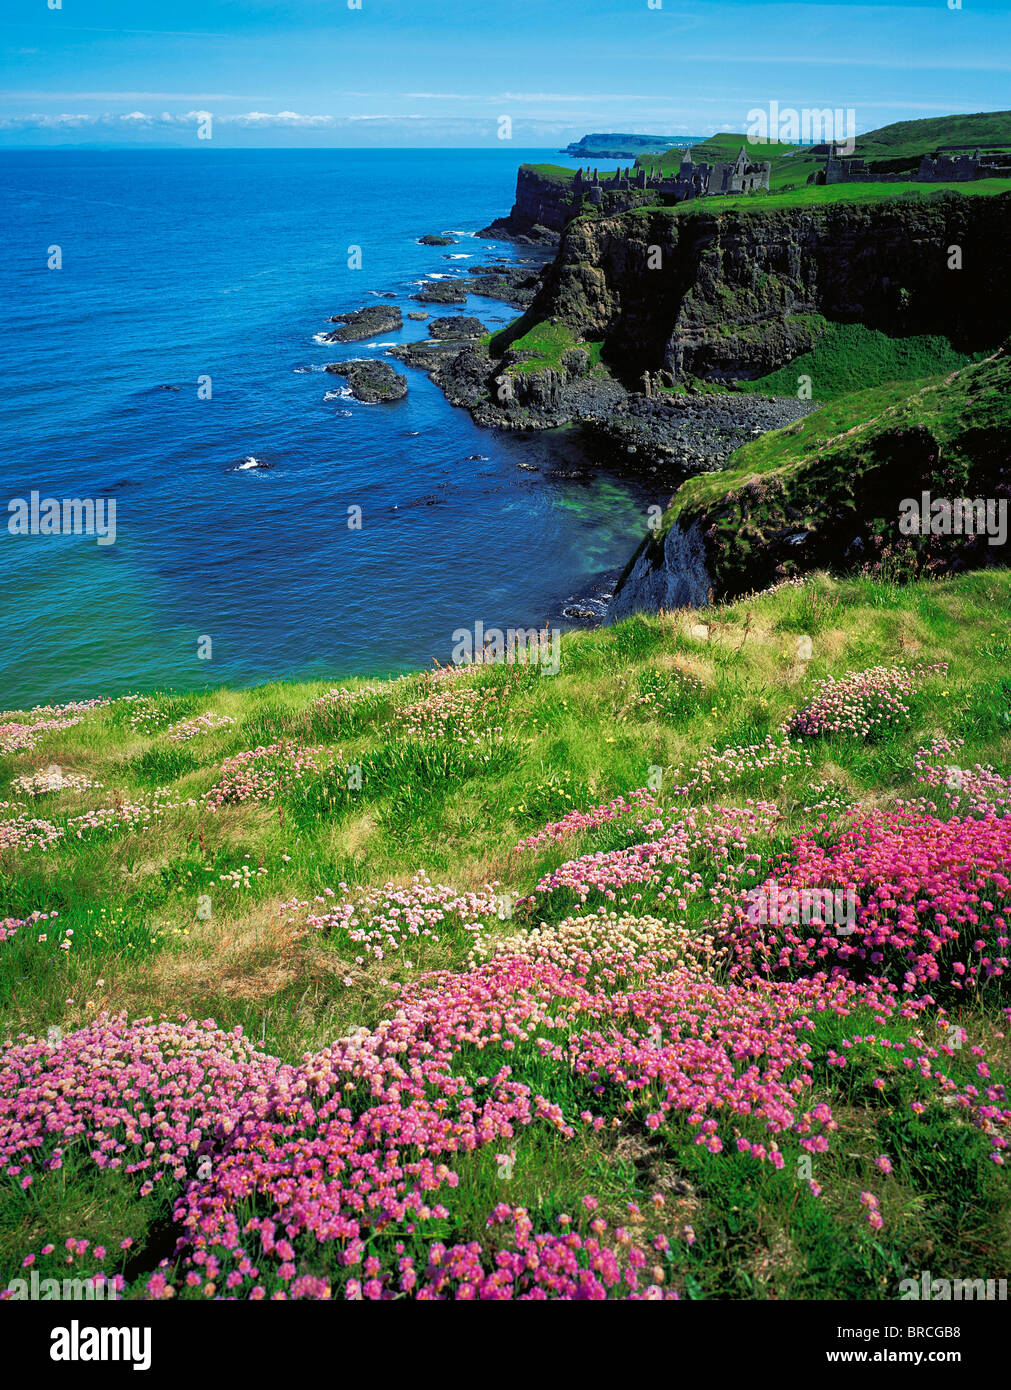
(827, 490)
(986, 130)
(608, 1089)
(849, 358)
(905, 141)
(963, 404)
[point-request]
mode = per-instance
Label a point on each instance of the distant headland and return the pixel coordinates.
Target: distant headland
(612, 146)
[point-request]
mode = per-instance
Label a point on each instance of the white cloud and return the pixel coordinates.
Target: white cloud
(121, 96)
(106, 119)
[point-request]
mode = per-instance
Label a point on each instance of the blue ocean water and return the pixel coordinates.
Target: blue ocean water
(178, 265)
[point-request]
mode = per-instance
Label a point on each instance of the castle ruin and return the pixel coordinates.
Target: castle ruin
(936, 168)
(740, 175)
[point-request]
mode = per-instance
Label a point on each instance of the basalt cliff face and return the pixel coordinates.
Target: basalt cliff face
(739, 293)
(546, 203)
(540, 212)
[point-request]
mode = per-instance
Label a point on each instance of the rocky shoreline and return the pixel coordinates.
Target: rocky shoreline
(658, 432)
(674, 434)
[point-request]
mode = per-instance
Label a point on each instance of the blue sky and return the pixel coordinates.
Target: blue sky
(443, 72)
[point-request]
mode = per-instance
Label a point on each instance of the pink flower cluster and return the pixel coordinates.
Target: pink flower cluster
(669, 862)
(52, 779)
(451, 713)
(861, 701)
(975, 790)
(200, 724)
(10, 925)
(15, 736)
(343, 700)
(935, 903)
(722, 770)
(384, 920)
(357, 1148)
(129, 815)
(528, 1267)
(577, 822)
(26, 832)
(264, 773)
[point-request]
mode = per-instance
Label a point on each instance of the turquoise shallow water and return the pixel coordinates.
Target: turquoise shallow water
(179, 265)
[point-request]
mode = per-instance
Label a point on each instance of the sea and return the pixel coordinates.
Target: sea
(159, 347)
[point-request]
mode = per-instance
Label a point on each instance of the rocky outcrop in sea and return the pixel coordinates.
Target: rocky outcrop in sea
(371, 381)
(364, 323)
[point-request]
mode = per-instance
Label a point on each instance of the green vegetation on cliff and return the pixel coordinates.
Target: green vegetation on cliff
(826, 491)
(821, 195)
(543, 346)
(851, 357)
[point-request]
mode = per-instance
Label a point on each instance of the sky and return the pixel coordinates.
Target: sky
(436, 73)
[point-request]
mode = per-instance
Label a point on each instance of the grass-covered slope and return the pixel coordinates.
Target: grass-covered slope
(850, 357)
(608, 1089)
(826, 491)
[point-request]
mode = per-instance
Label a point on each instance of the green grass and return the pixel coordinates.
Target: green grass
(814, 196)
(850, 357)
(974, 398)
(838, 477)
(558, 173)
(546, 343)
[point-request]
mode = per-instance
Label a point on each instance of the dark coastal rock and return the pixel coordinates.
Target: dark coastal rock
(442, 292)
(417, 314)
(665, 573)
(542, 206)
(431, 240)
(460, 327)
(515, 284)
(371, 381)
(678, 435)
(365, 323)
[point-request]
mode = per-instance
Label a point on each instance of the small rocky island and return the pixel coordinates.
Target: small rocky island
(370, 381)
(365, 323)
(461, 326)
